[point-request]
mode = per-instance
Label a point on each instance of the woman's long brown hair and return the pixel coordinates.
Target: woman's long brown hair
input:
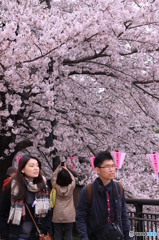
(20, 178)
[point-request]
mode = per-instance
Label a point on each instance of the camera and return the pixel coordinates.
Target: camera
(62, 164)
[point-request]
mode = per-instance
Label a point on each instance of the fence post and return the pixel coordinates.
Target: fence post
(139, 214)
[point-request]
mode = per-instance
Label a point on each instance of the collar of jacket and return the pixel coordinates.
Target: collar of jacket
(101, 187)
(113, 192)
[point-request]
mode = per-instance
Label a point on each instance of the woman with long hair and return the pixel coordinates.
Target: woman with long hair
(64, 210)
(28, 186)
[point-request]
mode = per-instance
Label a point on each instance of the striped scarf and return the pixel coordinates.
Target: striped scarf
(17, 209)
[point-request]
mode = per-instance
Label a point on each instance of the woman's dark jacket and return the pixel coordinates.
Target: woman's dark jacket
(12, 232)
(97, 213)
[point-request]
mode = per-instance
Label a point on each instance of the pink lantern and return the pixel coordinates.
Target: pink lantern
(92, 161)
(18, 158)
(118, 159)
(153, 160)
(72, 158)
(71, 163)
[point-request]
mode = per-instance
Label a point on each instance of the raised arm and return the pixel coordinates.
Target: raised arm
(54, 175)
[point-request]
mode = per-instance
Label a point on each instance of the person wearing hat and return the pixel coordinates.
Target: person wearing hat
(11, 171)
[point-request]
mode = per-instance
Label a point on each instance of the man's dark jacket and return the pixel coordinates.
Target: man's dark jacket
(97, 214)
(12, 232)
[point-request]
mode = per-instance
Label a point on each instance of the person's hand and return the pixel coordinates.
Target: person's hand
(49, 237)
(64, 165)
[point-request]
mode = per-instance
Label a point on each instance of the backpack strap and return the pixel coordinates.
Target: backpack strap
(89, 193)
(89, 196)
(120, 188)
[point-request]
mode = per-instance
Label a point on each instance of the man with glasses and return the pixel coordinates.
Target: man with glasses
(105, 217)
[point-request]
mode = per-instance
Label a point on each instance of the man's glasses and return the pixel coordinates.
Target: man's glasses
(108, 166)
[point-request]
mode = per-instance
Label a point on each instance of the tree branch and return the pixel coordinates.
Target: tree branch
(84, 59)
(22, 145)
(152, 95)
(130, 53)
(94, 73)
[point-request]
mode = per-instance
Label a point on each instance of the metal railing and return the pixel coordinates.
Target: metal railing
(141, 222)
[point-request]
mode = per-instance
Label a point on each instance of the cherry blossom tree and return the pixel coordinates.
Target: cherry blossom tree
(91, 67)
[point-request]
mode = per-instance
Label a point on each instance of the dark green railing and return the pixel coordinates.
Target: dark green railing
(141, 221)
